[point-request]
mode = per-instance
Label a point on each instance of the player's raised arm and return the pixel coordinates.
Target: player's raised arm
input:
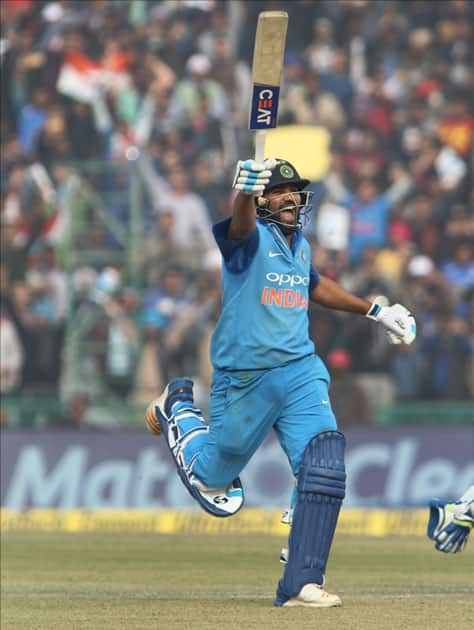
(250, 180)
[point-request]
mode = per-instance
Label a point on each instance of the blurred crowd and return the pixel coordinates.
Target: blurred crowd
(158, 91)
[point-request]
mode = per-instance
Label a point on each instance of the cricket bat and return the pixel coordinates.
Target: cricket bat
(268, 53)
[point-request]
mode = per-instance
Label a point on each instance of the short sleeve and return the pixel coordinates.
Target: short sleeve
(237, 254)
(313, 278)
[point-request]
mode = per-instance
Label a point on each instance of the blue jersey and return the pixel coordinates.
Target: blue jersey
(266, 285)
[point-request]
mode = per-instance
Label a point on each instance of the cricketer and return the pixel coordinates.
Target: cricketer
(266, 374)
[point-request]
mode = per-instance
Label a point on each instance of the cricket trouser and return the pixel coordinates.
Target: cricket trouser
(245, 405)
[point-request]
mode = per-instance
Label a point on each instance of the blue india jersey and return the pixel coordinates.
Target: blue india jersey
(266, 285)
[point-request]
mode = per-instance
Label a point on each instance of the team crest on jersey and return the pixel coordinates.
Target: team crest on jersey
(287, 171)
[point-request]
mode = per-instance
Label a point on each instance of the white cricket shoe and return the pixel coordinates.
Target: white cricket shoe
(314, 596)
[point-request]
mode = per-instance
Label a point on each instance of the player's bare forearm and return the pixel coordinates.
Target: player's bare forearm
(329, 294)
(244, 217)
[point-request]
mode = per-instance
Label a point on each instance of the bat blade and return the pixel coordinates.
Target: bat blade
(269, 50)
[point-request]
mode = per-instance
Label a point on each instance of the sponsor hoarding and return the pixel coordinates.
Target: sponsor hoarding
(396, 467)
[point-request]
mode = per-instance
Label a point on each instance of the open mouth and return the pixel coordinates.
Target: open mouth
(288, 213)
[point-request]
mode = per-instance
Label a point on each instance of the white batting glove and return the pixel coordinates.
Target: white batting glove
(450, 524)
(397, 320)
(251, 177)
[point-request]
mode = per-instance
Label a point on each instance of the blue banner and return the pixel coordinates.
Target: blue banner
(129, 469)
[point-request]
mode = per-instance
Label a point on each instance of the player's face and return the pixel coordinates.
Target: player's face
(285, 200)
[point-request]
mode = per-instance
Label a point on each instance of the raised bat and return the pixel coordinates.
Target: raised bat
(268, 53)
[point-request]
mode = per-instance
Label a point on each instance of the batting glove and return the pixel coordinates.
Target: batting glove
(252, 177)
(450, 524)
(397, 320)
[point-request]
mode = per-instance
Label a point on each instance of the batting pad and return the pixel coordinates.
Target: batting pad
(321, 489)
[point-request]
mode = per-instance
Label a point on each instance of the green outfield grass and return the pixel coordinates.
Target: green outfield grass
(132, 581)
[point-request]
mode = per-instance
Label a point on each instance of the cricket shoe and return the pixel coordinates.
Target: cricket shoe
(174, 415)
(312, 596)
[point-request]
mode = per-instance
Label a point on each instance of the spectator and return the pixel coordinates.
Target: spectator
(348, 398)
(191, 225)
(11, 356)
(31, 119)
(121, 347)
(456, 128)
(234, 76)
(52, 143)
(83, 135)
(210, 189)
(459, 270)
(447, 354)
(56, 281)
(78, 414)
(309, 102)
(370, 210)
(160, 249)
(391, 261)
(155, 95)
(337, 81)
(320, 52)
(364, 158)
(188, 92)
(420, 214)
(163, 308)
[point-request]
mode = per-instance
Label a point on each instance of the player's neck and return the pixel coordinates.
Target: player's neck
(289, 235)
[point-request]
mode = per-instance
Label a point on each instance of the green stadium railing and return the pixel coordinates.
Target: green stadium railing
(427, 413)
(107, 412)
(43, 413)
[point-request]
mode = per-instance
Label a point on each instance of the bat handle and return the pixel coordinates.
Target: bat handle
(260, 137)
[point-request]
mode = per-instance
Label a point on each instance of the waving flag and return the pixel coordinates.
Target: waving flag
(81, 78)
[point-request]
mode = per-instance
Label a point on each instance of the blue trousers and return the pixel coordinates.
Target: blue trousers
(245, 405)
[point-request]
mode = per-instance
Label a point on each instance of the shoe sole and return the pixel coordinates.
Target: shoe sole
(151, 419)
(297, 602)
